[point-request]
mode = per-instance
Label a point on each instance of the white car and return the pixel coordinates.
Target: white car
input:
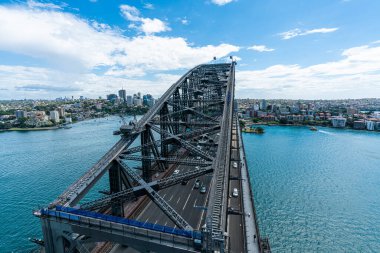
(235, 165)
(175, 172)
(235, 192)
(197, 167)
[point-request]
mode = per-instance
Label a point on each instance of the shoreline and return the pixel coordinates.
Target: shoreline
(317, 126)
(18, 129)
(31, 129)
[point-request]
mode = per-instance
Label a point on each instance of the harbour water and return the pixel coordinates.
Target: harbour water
(314, 191)
(36, 166)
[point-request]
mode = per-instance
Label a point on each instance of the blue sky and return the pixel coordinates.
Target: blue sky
(285, 48)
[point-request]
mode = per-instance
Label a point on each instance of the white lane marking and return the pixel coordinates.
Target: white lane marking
(156, 222)
(171, 197)
(195, 202)
(164, 195)
(141, 214)
(146, 220)
(186, 202)
(166, 223)
(199, 223)
(178, 199)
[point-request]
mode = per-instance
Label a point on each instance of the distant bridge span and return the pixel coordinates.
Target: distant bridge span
(192, 159)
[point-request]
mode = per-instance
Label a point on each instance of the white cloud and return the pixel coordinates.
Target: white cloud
(221, 2)
(151, 26)
(147, 25)
(36, 4)
(185, 21)
(32, 82)
(149, 6)
(356, 75)
(71, 48)
(298, 32)
(260, 48)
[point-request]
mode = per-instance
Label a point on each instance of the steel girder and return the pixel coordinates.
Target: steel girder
(200, 97)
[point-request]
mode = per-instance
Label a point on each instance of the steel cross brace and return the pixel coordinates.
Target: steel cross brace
(184, 143)
(139, 190)
(160, 202)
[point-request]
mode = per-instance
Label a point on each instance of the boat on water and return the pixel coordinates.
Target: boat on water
(313, 128)
(116, 132)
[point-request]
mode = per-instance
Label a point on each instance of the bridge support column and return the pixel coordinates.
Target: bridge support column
(146, 151)
(115, 181)
(54, 239)
(176, 108)
(164, 127)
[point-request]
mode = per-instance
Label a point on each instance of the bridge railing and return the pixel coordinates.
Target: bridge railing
(76, 215)
(263, 242)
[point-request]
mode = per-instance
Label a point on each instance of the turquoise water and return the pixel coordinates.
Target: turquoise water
(314, 191)
(317, 191)
(35, 167)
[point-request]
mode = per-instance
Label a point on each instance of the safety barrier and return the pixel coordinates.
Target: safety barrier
(73, 214)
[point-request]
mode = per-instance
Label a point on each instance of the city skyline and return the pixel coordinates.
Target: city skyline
(293, 49)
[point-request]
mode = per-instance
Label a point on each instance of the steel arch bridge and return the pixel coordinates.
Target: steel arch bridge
(193, 127)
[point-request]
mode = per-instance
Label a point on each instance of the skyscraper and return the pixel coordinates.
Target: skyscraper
(123, 95)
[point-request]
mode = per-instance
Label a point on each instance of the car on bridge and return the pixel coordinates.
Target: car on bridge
(197, 184)
(203, 189)
(175, 172)
(235, 165)
(235, 192)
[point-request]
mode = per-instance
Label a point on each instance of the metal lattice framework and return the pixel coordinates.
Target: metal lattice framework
(193, 118)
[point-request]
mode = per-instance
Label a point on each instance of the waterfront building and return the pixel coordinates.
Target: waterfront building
(68, 120)
(41, 115)
(370, 125)
(338, 122)
(123, 95)
(376, 115)
(54, 116)
(61, 111)
(261, 114)
(359, 124)
(21, 114)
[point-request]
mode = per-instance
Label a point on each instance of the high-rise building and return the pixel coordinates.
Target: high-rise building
(21, 114)
(263, 105)
(54, 116)
(129, 100)
(61, 111)
(123, 95)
